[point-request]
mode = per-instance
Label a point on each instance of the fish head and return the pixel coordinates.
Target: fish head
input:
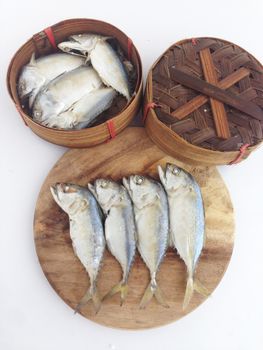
(74, 48)
(70, 197)
(81, 44)
(29, 81)
(142, 190)
(173, 177)
(107, 192)
(88, 41)
(65, 120)
(46, 107)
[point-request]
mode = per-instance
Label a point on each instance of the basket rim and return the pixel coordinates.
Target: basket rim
(201, 37)
(194, 147)
(26, 117)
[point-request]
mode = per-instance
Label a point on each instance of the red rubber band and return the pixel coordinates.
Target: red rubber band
(20, 111)
(147, 108)
(111, 129)
(242, 151)
(50, 35)
(194, 41)
(129, 48)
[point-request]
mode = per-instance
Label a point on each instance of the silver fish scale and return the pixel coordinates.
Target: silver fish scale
(92, 257)
(200, 222)
(199, 219)
(62, 92)
(120, 227)
(98, 242)
(127, 214)
(159, 235)
(186, 215)
(163, 227)
(41, 71)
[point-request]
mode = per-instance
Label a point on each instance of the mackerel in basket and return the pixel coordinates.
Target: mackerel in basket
(115, 119)
(204, 100)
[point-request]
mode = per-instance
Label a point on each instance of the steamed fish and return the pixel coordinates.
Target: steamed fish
(103, 59)
(86, 232)
(187, 221)
(83, 112)
(120, 228)
(39, 72)
(109, 67)
(152, 223)
(81, 44)
(62, 92)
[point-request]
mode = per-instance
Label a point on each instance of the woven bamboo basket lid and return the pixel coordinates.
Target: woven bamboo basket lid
(204, 102)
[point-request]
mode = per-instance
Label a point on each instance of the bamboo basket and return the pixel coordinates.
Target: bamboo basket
(40, 44)
(176, 145)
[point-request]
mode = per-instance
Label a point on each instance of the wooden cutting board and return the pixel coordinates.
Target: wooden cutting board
(132, 152)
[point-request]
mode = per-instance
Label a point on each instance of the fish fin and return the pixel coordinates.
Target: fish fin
(147, 296)
(32, 61)
(160, 297)
(105, 82)
(128, 66)
(96, 301)
(90, 295)
(153, 290)
(188, 292)
(119, 288)
(199, 288)
(128, 97)
(191, 286)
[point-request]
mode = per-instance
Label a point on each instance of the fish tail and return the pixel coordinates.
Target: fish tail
(191, 286)
(153, 290)
(188, 291)
(91, 294)
(199, 288)
(122, 288)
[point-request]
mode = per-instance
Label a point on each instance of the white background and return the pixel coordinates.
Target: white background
(32, 316)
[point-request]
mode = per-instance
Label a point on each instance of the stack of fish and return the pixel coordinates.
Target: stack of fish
(70, 90)
(141, 213)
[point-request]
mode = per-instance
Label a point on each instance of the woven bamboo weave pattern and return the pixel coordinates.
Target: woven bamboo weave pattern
(198, 118)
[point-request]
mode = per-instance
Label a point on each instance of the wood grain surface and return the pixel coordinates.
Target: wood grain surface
(131, 152)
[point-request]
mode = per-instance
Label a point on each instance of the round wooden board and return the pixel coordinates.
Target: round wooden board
(131, 152)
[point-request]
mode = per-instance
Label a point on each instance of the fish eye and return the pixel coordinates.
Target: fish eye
(173, 169)
(138, 179)
(38, 114)
(176, 171)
